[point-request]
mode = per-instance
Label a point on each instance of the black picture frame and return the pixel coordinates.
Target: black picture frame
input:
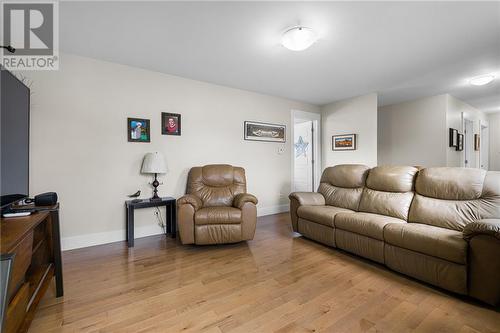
(460, 142)
(249, 133)
(165, 116)
(146, 128)
(453, 133)
(346, 137)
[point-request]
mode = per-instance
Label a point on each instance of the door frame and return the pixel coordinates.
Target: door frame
(316, 119)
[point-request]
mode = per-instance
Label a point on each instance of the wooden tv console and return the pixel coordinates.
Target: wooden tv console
(35, 243)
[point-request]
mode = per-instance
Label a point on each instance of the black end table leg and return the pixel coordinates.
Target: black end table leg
(174, 219)
(130, 226)
(168, 222)
(56, 248)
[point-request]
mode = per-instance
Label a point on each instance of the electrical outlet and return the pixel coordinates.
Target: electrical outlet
(281, 150)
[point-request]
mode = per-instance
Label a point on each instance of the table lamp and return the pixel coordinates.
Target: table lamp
(154, 163)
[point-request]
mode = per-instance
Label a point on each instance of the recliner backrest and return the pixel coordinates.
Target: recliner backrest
(389, 191)
(216, 184)
(453, 197)
(342, 185)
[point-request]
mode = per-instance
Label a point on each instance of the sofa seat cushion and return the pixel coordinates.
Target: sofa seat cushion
(434, 241)
(366, 224)
(321, 214)
(217, 215)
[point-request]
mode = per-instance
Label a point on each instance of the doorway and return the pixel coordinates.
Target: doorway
(469, 154)
(306, 162)
(484, 147)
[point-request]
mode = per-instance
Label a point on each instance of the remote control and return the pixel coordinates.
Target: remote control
(16, 214)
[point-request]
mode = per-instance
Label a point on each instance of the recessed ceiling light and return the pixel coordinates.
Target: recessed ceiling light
(482, 80)
(298, 38)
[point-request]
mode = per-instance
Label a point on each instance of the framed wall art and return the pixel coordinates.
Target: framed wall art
(453, 137)
(138, 130)
(255, 131)
(344, 142)
(170, 123)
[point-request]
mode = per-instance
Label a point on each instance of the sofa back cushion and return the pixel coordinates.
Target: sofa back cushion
(216, 184)
(389, 191)
(453, 197)
(343, 184)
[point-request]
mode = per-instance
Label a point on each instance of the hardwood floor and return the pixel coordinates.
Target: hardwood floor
(276, 283)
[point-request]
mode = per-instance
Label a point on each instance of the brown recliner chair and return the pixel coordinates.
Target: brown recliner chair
(216, 208)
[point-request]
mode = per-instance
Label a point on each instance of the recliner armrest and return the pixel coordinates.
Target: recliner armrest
(242, 198)
(308, 198)
(489, 227)
(190, 199)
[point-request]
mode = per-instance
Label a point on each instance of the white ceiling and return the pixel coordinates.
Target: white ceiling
(402, 50)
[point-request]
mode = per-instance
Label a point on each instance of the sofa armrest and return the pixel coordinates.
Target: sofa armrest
(308, 198)
(490, 227)
(242, 198)
(298, 199)
(190, 199)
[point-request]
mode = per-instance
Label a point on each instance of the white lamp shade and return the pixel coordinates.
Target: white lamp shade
(154, 163)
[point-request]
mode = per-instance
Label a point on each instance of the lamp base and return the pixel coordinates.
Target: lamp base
(155, 184)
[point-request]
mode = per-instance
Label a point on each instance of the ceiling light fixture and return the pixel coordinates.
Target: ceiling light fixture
(298, 38)
(482, 80)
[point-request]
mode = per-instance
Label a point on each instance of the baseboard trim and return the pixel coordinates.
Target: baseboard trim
(263, 211)
(99, 238)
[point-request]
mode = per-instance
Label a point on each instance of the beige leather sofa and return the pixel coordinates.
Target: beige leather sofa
(216, 208)
(439, 225)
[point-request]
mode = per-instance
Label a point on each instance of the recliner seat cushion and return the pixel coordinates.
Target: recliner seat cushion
(367, 224)
(434, 241)
(217, 215)
(321, 214)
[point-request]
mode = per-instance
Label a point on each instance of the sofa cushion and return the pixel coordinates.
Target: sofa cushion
(450, 183)
(391, 178)
(217, 215)
(393, 204)
(449, 213)
(367, 224)
(321, 214)
(434, 241)
(343, 184)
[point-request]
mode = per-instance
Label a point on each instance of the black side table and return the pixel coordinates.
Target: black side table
(171, 215)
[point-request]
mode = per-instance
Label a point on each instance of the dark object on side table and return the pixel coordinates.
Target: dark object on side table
(171, 215)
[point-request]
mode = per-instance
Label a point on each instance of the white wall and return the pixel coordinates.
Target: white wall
(352, 116)
(494, 129)
(417, 132)
(456, 112)
(79, 145)
(411, 133)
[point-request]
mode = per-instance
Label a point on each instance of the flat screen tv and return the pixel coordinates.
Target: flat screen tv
(14, 138)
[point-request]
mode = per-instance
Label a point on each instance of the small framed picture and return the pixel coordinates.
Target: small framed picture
(477, 142)
(255, 131)
(170, 123)
(138, 130)
(453, 137)
(460, 142)
(344, 142)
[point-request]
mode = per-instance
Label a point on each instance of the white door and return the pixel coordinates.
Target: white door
(305, 151)
(469, 154)
(484, 145)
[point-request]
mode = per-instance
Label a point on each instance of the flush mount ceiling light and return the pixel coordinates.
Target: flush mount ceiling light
(298, 38)
(482, 80)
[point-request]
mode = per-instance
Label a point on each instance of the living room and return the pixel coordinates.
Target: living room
(262, 127)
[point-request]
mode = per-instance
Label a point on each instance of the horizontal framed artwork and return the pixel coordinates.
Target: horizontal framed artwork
(344, 142)
(255, 131)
